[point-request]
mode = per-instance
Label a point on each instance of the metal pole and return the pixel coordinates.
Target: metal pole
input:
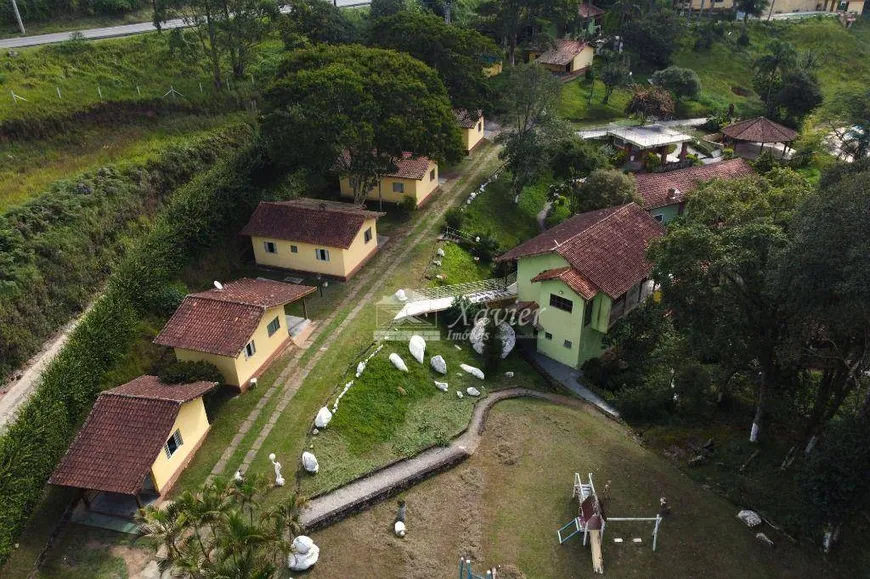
(18, 17)
(656, 531)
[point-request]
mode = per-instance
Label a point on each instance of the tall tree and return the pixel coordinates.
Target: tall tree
(769, 69)
(530, 96)
(714, 268)
(457, 54)
(654, 37)
(574, 158)
(799, 95)
(823, 281)
(650, 101)
(512, 22)
(317, 21)
(615, 72)
(849, 118)
(604, 188)
(749, 8)
(384, 8)
(681, 82)
(356, 110)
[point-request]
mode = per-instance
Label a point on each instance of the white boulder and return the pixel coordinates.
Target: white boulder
(439, 364)
(399, 529)
(360, 368)
(398, 362)
(417, 347)
(472, 391)
(440, 252)
(751, 518)
(506, 334)
(509, 374)
(458, 394)
(304, 554)
(309, 462)
(436, 262)
(476, 372)
(401, 296)
(323, 417)
(441, 386)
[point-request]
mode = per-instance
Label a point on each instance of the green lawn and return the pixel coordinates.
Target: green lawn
(503, 506)
(458, 266)
(494, 212)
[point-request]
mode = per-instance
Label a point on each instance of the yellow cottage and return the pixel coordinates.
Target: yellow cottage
(240, 327)
(471, 127)
(415, 177)
(306, 235)
(135, 443)
(566, 56)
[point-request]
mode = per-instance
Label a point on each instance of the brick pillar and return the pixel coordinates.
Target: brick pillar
(684, 150)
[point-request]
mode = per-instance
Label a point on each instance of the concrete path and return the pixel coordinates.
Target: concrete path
(372, 279)
(19, 392)
(122, 30)
(363, 492)
(543, 214)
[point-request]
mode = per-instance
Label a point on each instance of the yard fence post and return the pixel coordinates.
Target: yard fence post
(58, 92)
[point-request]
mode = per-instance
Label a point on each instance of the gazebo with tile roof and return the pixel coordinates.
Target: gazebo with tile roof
(760, 130)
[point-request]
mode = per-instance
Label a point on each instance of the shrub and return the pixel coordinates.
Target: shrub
(177, 372)
(486, 247)
(693, 387)
(454, 218)
(682, 82)
(408, 204)
(727, 153)
(644, 402)
(765, 162)
(743, 39)
(652, 161)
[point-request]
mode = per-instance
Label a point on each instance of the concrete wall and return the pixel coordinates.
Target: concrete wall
(418, 189)
(237, 371)
(342, 262)
(583, 60)
(192, 423)
(529, 267)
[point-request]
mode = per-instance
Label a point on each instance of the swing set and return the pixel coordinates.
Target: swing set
(591, 521)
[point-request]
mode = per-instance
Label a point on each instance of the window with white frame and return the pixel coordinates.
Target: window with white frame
(173, 444)
(270, 247)
(398, 187)
(367, 236)
(273, 326)
(250, 349)
(322, 254)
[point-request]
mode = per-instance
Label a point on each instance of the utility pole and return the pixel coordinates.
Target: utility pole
(18, 17)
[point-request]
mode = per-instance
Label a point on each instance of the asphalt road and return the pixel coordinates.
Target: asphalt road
(116, 31)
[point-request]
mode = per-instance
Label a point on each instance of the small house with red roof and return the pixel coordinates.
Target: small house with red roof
(415, 177)
(471, 126)
(565, 56)
(239, 327)
(664, 194)
(136, 441)
(581, 276)
(313, 236)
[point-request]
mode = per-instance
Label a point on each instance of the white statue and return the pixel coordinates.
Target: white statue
(279, 480)
(304, 554)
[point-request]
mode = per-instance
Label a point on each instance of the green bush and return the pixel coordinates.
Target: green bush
(177, 372)
(644, 402)
(486, 247)
(454, 218)
(408, 204)
(199, 213)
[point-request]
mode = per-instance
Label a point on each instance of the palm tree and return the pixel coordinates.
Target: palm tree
(625, 8)
(165, 525)
(286, 523)
(247, 492)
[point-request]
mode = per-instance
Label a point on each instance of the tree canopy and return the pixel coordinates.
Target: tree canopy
(529, 95)
(650, 101)
(654, 37)
(318, 21)
(714, 268)
(457, 54)
(605, 188)
(681, 82)
(355, 110)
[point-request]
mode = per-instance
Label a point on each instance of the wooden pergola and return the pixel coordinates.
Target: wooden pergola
(760, 130)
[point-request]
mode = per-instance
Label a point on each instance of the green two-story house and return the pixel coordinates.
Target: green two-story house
(581, 276)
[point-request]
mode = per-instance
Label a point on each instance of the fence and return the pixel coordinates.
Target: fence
(499, 284)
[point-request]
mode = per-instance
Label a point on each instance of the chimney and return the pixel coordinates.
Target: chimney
(672, 193)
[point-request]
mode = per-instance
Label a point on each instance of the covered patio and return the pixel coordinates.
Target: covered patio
(749, 137)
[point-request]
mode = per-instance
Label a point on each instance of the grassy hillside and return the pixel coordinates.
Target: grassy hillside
(726, 68)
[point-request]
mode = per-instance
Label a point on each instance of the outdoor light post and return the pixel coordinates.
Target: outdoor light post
(18, 17)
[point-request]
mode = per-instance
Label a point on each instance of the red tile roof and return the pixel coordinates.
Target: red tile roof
(654, 188)
(605, 248)
(123, 435)
(759, 130)
(409, 167)
(309, 221)
(465, 119)
(222, 321)
(562, 52)
(589, 10)
(572, 278)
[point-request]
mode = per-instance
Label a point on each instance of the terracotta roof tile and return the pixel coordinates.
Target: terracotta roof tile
(562, 52)
(572, 278)
(222, 321)
(309, 221)
(123, 435)
(605, 248)
(654, 187)
(409, 167)
(759, 130)
(589, 10)
(465, 119)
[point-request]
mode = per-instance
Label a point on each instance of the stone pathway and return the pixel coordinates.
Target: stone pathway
(363, 492)
(293, 376)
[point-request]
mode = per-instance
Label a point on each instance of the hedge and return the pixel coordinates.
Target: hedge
(58, 248)
(198, 214)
